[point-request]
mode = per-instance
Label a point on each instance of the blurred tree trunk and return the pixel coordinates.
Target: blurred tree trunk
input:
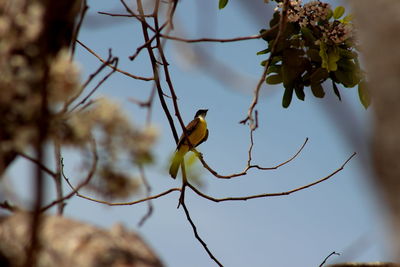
(66, 243)
(378, 24)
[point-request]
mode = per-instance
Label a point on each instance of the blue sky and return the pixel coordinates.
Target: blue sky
(342, 214)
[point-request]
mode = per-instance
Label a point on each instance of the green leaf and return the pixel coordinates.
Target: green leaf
(317, 90)
(274, 69)
(364, 94)
(299, 90)
(338, 12)
(348, 73)
(345, 53)
(347, 19)
(330, 14)
(222, 3)
(270, 34)
(348, 79)
(333, 57)
(319, 75)
(330, 56)
(336, 90)
(275, 19)
(262, 52)
(274, 79)
(308, 36)
(313, 54)
(287, 97)
(324, 55)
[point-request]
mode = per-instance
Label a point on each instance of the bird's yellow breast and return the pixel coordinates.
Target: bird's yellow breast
(199, 133)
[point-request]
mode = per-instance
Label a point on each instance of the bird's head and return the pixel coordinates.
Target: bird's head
(201, 112)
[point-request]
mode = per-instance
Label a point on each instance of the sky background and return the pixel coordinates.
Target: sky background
(342, 214)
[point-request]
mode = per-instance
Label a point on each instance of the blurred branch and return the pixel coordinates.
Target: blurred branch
(7, 206)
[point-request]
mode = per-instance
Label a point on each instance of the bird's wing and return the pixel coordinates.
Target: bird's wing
(189, 129)
(204, 139)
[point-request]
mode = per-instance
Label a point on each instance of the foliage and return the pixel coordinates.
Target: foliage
(317, 45)
(222, 4)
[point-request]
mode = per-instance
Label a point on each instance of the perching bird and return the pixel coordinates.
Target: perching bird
(197, 132)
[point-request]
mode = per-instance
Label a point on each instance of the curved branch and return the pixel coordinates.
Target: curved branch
(111, 65)
(271, 194)
(248, 167)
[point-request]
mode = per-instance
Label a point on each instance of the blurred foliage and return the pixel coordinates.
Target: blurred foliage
(317, 45)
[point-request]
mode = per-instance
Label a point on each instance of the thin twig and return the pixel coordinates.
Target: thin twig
(111, 66)
(125, 203)
(58, 177)
(75, 190)
(196, 234)
(146, 44)
(281, 29)
(248, 167)
(89, 79)
(38, 163)
(244, 198)
(327, 257)
(124, 15)
(156, 75)
(216, 40)
(7, 206)
(84, 8)
(148, 191)
(113, 62)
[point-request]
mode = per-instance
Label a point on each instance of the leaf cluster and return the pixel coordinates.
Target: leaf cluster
(305, 56)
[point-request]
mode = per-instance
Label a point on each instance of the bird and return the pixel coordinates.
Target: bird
(197, 133)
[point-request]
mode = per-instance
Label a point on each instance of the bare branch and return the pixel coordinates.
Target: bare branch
(130, 15)
(82, 184)
(111, 66)
(58, 177)
(113, 62)
(127, 203)
(90, 78)
(271, 194)
(37, 162)
(7, 206)
(248, 167)
(196, 234)
(84, 8)
(281, 29)
(148, 191)
(327, 257)
(156, 74)
(216, 40)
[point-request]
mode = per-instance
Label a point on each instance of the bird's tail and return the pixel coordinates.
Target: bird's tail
(176, 162)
